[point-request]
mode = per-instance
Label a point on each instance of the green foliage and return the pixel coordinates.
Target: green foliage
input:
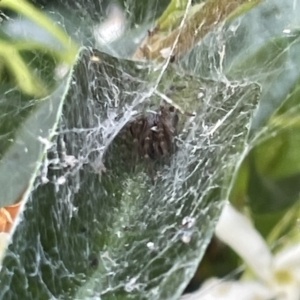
(17, 53)
(28, 71)
(116, 234)
(127, 199)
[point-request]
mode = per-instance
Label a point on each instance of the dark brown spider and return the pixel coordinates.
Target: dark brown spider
(149, 137)
(153, 132)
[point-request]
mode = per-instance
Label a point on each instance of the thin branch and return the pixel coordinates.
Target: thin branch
(209, 16)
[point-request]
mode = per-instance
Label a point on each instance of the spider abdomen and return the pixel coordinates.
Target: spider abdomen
(153, 133)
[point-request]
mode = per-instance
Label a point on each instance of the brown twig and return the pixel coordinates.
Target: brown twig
(211, 15)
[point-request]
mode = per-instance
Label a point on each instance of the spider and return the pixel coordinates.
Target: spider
(153, 132)
(149, 137)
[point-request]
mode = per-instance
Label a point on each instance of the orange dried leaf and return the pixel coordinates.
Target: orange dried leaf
(7, 216)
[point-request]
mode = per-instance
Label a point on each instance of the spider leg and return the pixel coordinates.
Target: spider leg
(148, 137)
(146, 147)
(156, 149)
(148, 154)
(163, 147)
(162, 141)
(134, 156)
(151, 171)
(135, 130)
(175, 123)
(155, 142)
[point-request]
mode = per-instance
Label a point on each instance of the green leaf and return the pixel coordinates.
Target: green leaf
(23, 76)
(144, 11)
(273, 165)
(278, 60)
(24, 139)
(24, 8)
(268, 54)
(33, 50)
(117, 235)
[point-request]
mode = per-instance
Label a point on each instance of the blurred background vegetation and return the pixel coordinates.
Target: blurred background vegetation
(39, 44)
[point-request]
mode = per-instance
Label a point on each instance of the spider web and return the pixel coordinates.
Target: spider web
(94, 227)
